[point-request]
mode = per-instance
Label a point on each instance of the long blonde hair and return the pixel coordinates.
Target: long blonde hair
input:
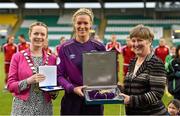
(83, 11)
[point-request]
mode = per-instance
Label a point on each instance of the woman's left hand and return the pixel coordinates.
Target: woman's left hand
(126, 98)
(78, 90)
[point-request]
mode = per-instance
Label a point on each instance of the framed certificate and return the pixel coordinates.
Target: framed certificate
(50, 82)
(99, 69)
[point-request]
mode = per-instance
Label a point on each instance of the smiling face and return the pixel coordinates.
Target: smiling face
(82, 26)
(142, 38)
(141, 47)
(172, 109)
(38, 35)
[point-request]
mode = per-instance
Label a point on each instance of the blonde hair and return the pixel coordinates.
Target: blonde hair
(37, 24)
(143, 32)
(83, 11)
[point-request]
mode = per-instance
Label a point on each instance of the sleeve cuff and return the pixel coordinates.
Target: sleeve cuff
(22, 85)
(70, 88)
(131, 101)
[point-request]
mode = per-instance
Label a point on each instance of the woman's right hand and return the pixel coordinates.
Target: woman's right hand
(78, 90)
(36, 78)
(126, 98)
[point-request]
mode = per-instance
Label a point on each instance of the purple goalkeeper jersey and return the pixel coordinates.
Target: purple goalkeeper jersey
(70, 66)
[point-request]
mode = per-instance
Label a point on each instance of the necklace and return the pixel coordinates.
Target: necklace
(138, 65)
(136, 68)
(31, 65)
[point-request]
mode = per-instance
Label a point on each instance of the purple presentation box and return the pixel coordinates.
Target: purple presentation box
(100, 77)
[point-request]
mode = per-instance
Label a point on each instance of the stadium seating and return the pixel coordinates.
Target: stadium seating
(121, 25)
(57, 26)
(7, 22)
(55, 30)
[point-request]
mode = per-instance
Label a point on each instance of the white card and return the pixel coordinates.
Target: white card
(52, 88)
(50, 73)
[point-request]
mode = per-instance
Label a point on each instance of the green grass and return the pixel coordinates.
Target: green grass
(6, 97)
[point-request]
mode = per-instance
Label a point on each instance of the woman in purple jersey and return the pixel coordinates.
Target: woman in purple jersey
(70, 66)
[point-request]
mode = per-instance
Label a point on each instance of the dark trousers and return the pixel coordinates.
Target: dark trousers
(72, 104)
(6, 72)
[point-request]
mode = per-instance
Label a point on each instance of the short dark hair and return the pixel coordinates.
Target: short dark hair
(143, 32)
(175, 102)
(22, 35)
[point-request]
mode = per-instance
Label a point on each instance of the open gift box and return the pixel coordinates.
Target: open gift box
(100, 77)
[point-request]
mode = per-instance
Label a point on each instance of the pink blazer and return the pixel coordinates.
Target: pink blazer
(20, 70)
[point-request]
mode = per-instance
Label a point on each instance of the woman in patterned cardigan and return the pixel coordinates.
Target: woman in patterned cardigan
(23, 80)
(146, 78)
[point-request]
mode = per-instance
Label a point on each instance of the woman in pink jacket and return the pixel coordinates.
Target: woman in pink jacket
(23, 76)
